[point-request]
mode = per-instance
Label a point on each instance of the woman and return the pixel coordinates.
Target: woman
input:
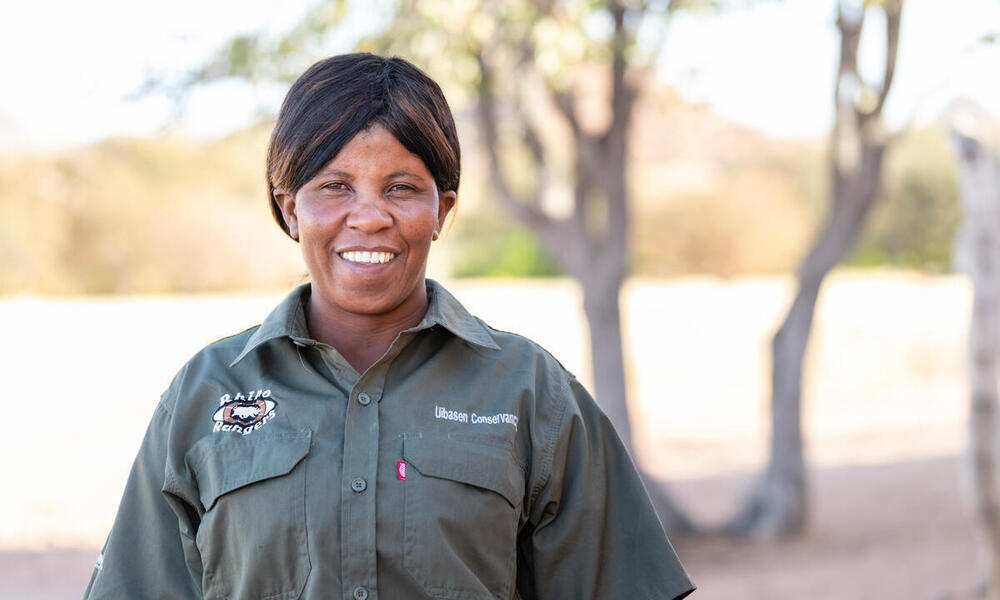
(372, 438)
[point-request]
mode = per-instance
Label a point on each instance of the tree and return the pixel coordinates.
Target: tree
(777, 503)
(977, 252)
(592, 242)
(519, 62)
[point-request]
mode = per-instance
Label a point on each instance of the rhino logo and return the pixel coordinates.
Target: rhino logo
(245, 413)
(244, 416)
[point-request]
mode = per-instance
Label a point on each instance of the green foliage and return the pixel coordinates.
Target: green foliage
(913, 225)
(492, 248)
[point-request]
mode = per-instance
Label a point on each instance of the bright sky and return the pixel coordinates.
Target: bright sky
(773, 67)
(69, 67)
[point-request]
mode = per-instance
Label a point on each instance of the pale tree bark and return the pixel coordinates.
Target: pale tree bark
(978, 245)
(592, 242)
(777, 504)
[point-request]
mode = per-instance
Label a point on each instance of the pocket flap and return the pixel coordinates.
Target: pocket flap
(481, 465)
(221, 467)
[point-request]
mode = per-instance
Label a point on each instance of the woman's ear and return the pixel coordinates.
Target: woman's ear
(286, 202)
(446, 202)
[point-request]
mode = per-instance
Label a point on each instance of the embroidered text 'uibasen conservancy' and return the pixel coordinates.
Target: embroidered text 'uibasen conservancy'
(458, 416)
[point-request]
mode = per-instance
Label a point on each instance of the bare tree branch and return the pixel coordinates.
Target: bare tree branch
(622, 101)
(530, 138)
(893, 11)
(566, 104)
(850, 36)
(529, 212)
(622, 96)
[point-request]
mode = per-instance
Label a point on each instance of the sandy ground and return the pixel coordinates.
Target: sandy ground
(893, 531)
(885, 403)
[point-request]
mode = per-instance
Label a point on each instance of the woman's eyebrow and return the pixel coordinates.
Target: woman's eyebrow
(403, 173)
(335, 173)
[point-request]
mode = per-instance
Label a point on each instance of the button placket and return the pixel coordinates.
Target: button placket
(361, 443)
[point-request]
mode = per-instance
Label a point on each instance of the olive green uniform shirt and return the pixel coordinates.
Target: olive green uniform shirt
(465, 464)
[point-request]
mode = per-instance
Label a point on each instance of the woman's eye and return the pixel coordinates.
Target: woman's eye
(335, 186)
(400, 187)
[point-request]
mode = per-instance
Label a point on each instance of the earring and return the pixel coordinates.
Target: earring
(435, 236)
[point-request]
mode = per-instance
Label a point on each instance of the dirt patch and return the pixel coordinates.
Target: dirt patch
(52, 574)
(886, 532)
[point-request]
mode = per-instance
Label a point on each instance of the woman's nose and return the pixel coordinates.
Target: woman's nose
(368, 213)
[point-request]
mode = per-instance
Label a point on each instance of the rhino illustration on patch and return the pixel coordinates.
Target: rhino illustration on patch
(245, 413)
(241, 415)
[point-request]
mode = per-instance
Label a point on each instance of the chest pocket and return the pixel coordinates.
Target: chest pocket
(252, 536)
(463, 500)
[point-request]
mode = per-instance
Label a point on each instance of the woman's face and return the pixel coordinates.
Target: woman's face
(365, 223)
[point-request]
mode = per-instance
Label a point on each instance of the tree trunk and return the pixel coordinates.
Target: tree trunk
(978, 242)
(601, 307)
(777, 503)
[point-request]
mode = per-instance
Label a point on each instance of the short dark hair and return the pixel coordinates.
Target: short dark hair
(340, 96)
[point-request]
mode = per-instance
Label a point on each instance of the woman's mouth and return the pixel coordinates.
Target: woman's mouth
(366, 257)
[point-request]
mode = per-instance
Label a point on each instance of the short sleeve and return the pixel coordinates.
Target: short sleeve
(592, 531)
(144, 556)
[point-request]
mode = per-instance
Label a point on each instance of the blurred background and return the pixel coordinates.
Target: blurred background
(742, 220)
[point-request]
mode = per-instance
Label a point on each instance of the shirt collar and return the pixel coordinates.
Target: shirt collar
(288, 319)
(444, 310)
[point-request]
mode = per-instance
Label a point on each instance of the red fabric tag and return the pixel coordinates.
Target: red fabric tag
(401, 470)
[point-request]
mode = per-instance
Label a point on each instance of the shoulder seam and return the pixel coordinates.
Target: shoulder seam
(161, 405)
(530, 341)
(177, 381)
(550, 446)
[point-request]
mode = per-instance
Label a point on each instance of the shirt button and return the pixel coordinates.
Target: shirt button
(359, 485)
(364, 399)
(360, 593)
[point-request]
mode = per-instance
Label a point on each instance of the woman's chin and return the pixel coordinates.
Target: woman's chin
(366, 300)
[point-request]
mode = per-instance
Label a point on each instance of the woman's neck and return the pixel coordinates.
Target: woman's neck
(361, 339)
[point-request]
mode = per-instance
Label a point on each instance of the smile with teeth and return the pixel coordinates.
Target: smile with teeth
(363, 256)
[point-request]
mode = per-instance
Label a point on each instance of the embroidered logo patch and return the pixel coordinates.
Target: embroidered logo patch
(244, 414)
(401, 470)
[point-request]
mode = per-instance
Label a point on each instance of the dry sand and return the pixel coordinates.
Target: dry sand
(885, 404)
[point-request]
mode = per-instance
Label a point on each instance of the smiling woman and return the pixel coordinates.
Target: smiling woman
(365, 189)
(371, 437)
(366, 222)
